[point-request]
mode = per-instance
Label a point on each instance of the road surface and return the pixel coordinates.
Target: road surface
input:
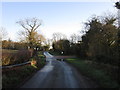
(57, 74)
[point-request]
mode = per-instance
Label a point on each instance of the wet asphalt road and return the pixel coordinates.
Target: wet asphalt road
(56, 74)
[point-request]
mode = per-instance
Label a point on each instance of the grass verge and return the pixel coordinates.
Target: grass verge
(14, 77)
(100, 76)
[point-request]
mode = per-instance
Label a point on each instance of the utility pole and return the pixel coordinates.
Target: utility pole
(117, 5)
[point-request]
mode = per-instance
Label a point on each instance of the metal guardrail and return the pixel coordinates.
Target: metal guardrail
(16, 65)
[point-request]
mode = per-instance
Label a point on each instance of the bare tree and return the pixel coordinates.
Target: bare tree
(30, 29)
(48, 42)
(74, 38)
(39, 38)
(58, 36)
(31, 25)
(22, 36)
(3, 33)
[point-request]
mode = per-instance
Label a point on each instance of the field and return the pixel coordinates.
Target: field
(10, 57)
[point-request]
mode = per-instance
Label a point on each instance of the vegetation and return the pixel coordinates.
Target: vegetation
(99, 43)
(30, 34)
(58, 36)
(62, 46)
(117, 5)
(97, 72)
(55, 53)
(14, 77)
(9, 44)
(10, 57)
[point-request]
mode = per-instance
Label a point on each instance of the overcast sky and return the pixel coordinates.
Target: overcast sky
(64, 17)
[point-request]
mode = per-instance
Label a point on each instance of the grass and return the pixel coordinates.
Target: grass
(14, 77)
(89, 70)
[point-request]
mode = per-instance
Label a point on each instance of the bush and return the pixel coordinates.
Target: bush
(106, 59)
(17, 57)
(13, 77)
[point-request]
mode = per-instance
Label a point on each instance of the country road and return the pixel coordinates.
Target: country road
(57, 74)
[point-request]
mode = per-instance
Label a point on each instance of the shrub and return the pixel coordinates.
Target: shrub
(12, 57)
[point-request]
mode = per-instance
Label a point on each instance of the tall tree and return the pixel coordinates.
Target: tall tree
(101, 40)
(30, 29)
